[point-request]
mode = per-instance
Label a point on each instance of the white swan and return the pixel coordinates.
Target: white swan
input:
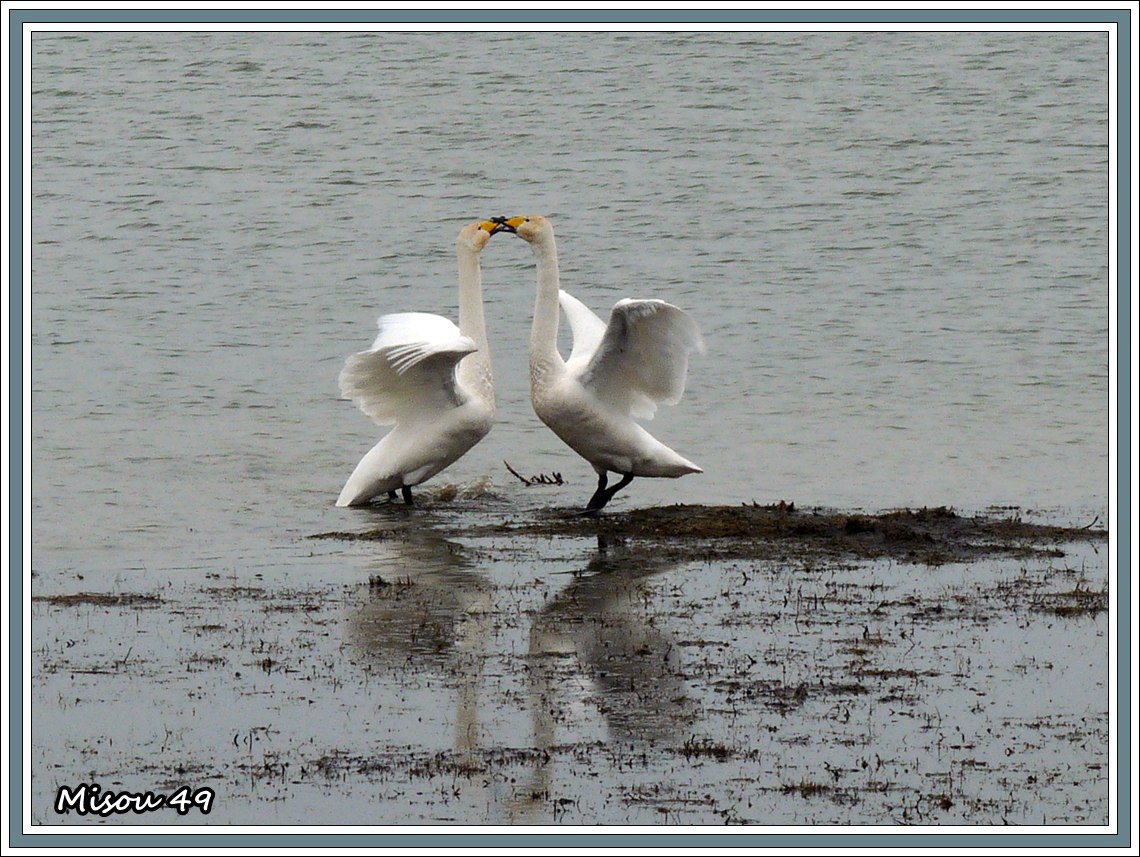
(616, 372)
(429, 378)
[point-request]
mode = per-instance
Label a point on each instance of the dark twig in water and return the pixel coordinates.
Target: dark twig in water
(539, 479)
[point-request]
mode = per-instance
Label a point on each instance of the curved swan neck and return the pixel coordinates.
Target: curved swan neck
(476, 367)
(544, 354)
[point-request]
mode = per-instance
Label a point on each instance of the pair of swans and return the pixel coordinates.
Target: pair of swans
(433, 380)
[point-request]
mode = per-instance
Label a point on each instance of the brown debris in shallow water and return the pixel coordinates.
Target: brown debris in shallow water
(100, 599)
(1075, 602)
(926, 536)
(929, 536)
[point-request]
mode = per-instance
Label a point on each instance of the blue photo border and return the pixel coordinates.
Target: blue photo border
(1121, 17)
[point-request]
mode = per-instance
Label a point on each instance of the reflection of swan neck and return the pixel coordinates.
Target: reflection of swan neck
(476, 367)
(544, 355)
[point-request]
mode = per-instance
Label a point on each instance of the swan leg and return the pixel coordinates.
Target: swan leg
(599, 499)
(407, 492)
(603, 495)
(625, 480)
(391, 496)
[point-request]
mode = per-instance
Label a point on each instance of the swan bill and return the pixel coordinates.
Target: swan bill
(500, 224)
(508, 224)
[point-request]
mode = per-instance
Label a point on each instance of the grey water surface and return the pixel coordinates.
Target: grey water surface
(895, 245)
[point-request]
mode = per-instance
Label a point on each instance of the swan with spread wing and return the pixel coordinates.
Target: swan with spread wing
(428, 379)
(616, 372)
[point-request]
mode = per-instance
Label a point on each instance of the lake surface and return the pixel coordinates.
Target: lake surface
(895, 245)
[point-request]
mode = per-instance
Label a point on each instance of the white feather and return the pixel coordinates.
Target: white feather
(643, 356)
(410, 369)
(586, 327)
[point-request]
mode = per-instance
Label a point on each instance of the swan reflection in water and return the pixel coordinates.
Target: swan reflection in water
(596, 647)
(595, 661)
(427, 612)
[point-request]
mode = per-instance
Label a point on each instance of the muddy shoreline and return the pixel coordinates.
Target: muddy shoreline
(928, 536)
(679, 665)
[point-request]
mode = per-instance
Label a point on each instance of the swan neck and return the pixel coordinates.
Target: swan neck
(544, 333)
(476, 367)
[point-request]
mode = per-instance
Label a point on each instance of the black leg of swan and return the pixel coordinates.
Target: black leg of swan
(625, 480)
(407, 492)
(603, 495)
(391, 496)
(599, 499)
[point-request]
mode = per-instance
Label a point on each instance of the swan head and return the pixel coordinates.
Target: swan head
(474, 236)
(530, 228)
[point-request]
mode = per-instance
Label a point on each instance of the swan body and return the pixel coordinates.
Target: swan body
(430, 380)
(616, 372)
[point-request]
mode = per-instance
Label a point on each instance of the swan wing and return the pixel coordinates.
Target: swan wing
(643, 356)
(410, 370)
(585, 326)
